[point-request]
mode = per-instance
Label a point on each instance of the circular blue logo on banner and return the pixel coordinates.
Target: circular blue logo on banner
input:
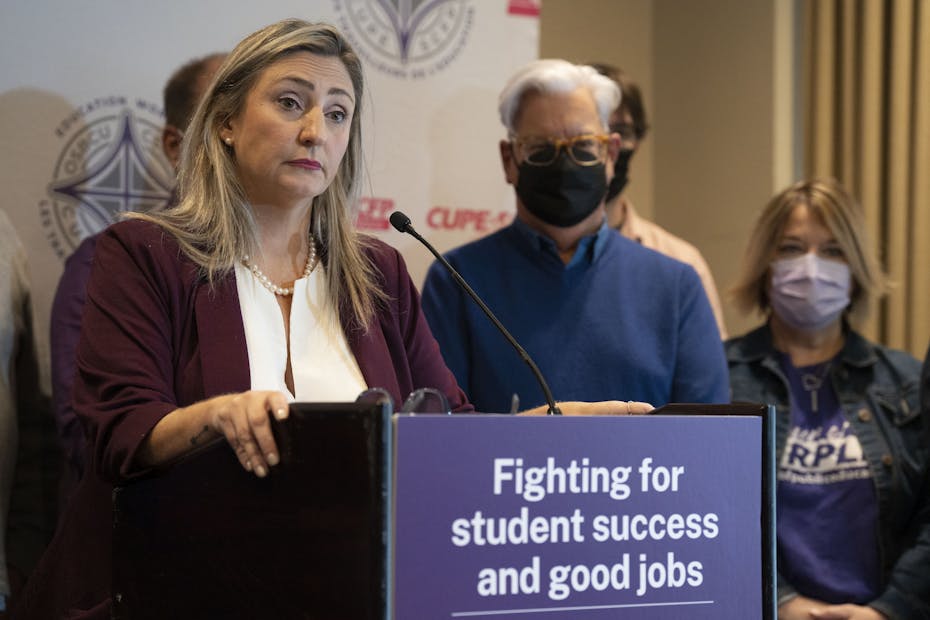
(407, 39)
(110, 162)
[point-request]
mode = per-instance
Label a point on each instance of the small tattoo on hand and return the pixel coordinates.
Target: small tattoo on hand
(199, 436)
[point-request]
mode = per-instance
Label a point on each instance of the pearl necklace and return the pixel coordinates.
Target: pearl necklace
(284, 291)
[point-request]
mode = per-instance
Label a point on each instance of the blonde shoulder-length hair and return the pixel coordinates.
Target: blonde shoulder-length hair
(213, 222)
(835, 208)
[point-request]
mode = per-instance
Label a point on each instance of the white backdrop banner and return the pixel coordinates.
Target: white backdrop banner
(81, 111)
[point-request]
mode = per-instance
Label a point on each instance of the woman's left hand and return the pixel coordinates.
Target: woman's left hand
(847, 612)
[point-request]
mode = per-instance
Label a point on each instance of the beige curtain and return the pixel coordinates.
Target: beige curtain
(867, 84)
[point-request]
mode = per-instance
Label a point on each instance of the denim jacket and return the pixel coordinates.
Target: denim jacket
(879, 389)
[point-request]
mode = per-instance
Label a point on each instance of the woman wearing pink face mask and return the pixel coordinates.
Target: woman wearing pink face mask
(852, 444)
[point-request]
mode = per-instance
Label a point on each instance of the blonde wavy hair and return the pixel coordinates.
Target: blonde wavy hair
(832, 205)
(213, 222)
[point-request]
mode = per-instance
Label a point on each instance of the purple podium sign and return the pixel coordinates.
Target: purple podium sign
(643, 517)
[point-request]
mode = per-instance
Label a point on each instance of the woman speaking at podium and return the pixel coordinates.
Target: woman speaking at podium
(852, 444)
(204, 319)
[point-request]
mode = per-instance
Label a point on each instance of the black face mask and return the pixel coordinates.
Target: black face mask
(621, 174)
(562, 193)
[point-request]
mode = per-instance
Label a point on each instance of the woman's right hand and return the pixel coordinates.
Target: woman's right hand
(241, 418)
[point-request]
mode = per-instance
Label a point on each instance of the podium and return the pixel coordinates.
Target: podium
(373, 515)
(206, 539)
(668, 515)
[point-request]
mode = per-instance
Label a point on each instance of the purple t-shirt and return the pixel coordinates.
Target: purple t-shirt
(827, 510)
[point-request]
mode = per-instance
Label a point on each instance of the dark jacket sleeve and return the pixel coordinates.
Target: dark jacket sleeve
(125, 356)
(908, 592)
(925, 384)
(414, 352)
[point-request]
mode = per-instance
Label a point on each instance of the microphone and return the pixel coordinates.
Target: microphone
(402, 223)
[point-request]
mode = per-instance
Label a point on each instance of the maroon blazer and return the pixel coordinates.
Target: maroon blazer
(155, 337)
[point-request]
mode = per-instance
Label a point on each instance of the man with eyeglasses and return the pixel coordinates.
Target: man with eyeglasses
(629, 121)
(603, 317)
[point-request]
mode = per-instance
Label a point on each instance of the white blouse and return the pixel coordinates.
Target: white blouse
(324, 368)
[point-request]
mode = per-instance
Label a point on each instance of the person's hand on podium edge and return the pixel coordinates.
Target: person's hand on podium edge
(242, 419)
(803, 608)
(847, 612)
(799, 608)
(604, 407)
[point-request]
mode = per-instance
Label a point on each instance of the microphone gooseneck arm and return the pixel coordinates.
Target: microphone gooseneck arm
(402, 223)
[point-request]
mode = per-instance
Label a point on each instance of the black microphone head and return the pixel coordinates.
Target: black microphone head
(400, 221)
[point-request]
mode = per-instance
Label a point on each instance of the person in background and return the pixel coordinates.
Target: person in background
(182, 93)
(628, 120)
(852, 443)
(602, 316)
(26, 514)
(925, 383)
(204, 320)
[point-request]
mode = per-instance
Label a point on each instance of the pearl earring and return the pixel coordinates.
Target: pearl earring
(228, 141)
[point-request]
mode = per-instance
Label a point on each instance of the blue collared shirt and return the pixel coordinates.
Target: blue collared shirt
(589, 248)
(618, 322)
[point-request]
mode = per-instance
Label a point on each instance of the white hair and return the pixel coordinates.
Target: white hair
(557, 76)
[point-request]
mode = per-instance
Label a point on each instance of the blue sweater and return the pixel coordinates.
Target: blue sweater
(619, 322)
